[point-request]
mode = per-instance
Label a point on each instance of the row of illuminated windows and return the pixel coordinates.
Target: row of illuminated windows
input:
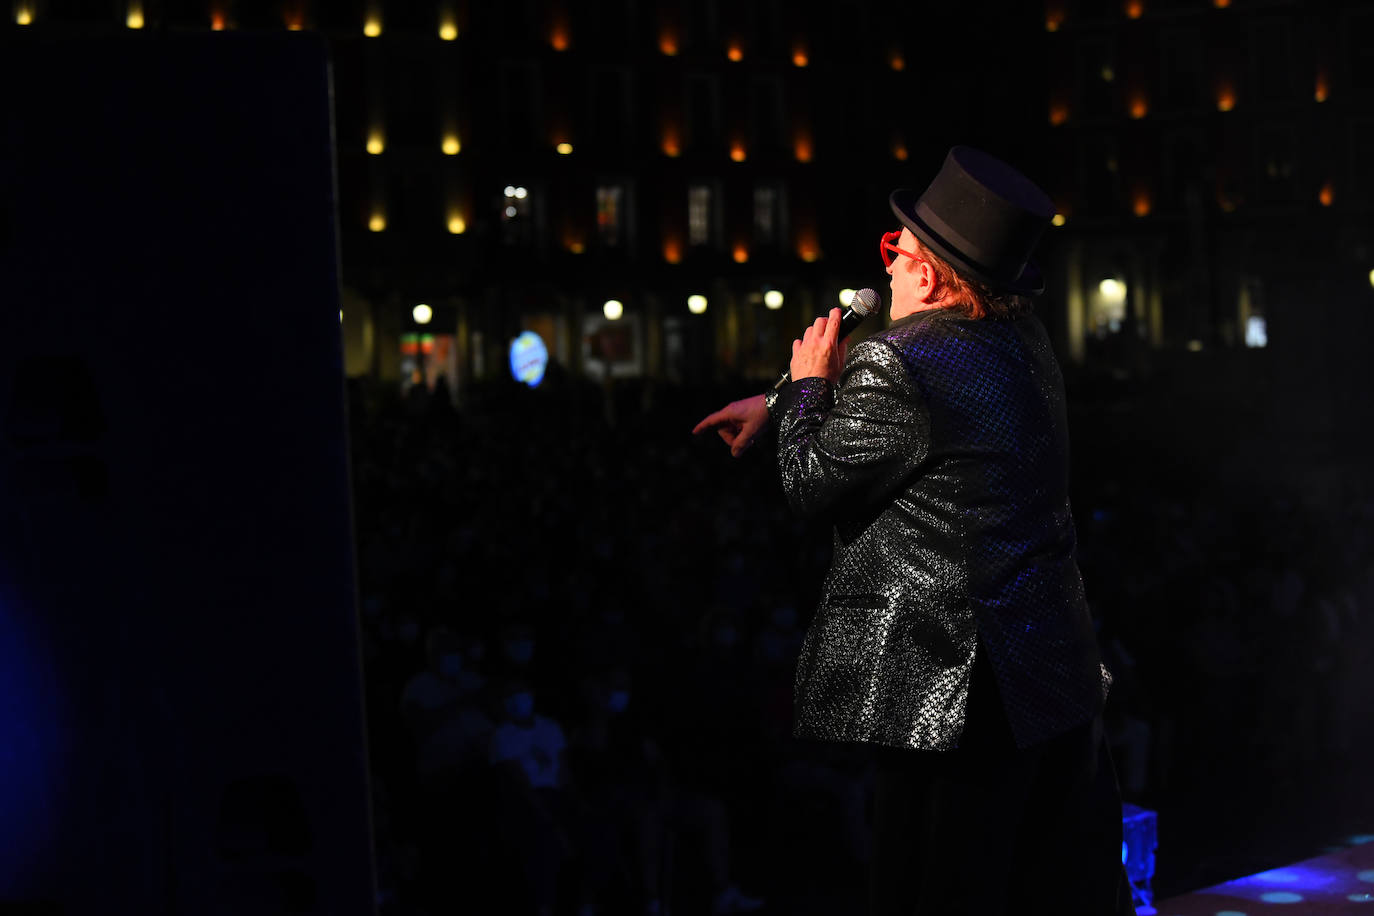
(735, 31)
(1273, 61)
(605, 112)
(1272, 164)
(608, 221)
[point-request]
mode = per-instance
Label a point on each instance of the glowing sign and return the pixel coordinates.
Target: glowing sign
(528, 358)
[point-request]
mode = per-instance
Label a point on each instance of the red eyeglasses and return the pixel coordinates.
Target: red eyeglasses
(889, 243)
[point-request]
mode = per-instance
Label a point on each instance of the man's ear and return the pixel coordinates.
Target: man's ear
(926, 280)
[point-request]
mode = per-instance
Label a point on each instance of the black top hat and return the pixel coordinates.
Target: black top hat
(983, 217)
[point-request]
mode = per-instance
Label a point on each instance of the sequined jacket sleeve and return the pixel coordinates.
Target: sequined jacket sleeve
(862, 438)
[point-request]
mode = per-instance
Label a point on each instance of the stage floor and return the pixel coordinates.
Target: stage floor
(1340, 882)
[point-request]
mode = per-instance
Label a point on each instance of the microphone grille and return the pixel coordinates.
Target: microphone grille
(865, 302)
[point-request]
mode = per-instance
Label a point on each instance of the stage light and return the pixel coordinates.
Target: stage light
(613, 309)
(846, 296)
(521, 193)
(422, 314)
(696, 304)
(772, 299)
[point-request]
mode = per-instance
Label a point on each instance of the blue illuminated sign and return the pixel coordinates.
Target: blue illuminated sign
(528, 358)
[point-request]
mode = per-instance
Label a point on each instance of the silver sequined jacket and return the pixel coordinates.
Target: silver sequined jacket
(942, 459)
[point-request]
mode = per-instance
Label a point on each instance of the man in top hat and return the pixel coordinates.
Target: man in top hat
(953, 637)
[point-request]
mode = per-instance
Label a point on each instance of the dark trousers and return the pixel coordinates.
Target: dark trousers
(989, 829)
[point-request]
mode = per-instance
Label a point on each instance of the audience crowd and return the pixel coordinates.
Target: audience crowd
(580, 626)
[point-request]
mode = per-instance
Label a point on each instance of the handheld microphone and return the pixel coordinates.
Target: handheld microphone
(864, 303)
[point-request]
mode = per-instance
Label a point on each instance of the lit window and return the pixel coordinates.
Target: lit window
(515, 203)
(559, 37)
(609, 202)
(1108, 307)
(699, 215)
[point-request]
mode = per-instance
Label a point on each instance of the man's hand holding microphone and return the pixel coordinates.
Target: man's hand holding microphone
(819, 353)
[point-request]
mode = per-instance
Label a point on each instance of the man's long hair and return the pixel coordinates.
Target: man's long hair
(976, 299)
